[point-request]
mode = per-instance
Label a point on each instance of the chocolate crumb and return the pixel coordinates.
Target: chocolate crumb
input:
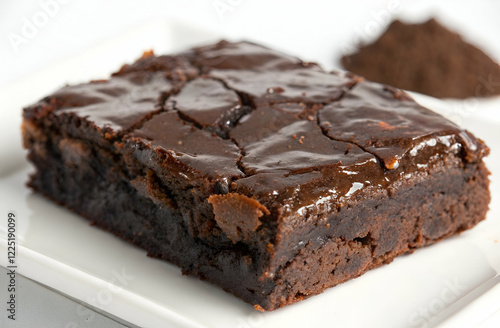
(259, 308)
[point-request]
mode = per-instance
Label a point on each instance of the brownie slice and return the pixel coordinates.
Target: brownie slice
(256, 171)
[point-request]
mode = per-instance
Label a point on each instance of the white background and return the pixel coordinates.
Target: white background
(38, 34)
(315, 30)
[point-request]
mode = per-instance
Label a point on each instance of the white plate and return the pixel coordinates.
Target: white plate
(453, 283)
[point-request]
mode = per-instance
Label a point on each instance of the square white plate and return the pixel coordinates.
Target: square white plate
(454, 283)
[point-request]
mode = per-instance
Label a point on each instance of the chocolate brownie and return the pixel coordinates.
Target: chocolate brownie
(258, 172)
(427, 58)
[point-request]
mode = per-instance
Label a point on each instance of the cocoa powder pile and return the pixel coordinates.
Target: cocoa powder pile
(427, 58)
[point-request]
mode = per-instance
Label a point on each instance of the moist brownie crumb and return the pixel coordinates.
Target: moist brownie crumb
(429, 59)
(237, 215)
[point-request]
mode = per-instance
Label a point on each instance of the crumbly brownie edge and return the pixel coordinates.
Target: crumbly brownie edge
(99, 192)
(420, 214)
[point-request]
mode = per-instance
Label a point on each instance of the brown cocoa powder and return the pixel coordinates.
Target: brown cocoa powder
(427, 58)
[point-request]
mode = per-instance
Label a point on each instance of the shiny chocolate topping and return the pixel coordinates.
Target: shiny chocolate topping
(242, 56)
(117, 104)
(289, 160)
(387, 123)
(199, 151)
(298, 148)
(175, 68)
(265, 121)
(208, 104)
(274, 128)
(306, 84)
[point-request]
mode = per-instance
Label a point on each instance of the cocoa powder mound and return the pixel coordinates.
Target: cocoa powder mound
(427, 58)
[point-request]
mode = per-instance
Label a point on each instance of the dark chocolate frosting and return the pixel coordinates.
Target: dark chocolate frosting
(198, 150)
(272, 127)
(208, 104)
(112, 106)
(305, 84)
(116, 104)
(241, 56)
(387, 123)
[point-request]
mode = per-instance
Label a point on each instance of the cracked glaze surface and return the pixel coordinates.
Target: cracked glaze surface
(269, 125)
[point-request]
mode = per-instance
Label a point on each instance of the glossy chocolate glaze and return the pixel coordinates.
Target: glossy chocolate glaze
(175, 68)
(298, 148)
(268, 119)
(389, 124)
(208, 104)
(111, 106)
(242, 56)
(283, 131)
(304, 84)
(298, 165)
(198, 151)
(125, 101)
